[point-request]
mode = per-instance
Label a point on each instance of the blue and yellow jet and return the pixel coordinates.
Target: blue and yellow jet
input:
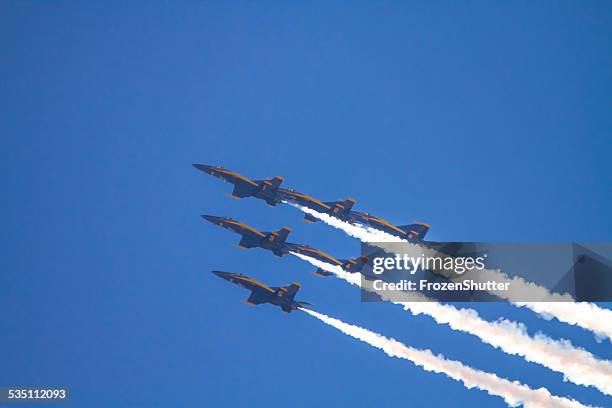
(410, 232)
(275, 241)
(343, 210)
(251, 238)
(282, 297)
(266, 190)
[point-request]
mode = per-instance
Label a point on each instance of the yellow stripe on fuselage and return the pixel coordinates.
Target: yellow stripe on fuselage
(385, 223)
(324, 255)
(238, 176)
(254, 282)
(309, 198)
(246, 227)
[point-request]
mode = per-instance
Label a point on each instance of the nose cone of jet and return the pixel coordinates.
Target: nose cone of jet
(203, 167)
(212, 218)
(224, 275)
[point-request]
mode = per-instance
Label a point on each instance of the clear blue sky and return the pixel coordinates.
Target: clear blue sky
(489, 121)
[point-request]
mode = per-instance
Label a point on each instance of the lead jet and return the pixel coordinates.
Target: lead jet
(267, 190)
(251, 238)
(282, 297)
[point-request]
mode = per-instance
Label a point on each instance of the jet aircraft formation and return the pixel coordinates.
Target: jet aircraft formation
(269, 190)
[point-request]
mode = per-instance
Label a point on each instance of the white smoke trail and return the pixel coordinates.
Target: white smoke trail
(575, 363)
(513, 392)
(361, 232)
(582, 314)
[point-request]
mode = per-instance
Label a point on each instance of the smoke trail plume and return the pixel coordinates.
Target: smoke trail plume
(575, 363)
(513, 392)
(585, 315)
(361, 232)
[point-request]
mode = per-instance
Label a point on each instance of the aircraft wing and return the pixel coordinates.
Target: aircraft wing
(257, 297)
(247, 242)
(322, 273)
(242, 190)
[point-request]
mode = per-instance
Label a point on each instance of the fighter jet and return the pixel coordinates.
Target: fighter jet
(260, 293)
(275, 241)
(266, 190)
(251, 238)
(348, 265)
(342, 210)
(410, 232)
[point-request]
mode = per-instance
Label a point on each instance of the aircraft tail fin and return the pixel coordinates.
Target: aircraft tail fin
(276, 181)
(416, 231)
(291, 290)
(278, 236)
(283, 233)
(348, 204)
(341, 207)
(355, 265)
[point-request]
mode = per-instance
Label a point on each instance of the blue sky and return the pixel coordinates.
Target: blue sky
(489, 121)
